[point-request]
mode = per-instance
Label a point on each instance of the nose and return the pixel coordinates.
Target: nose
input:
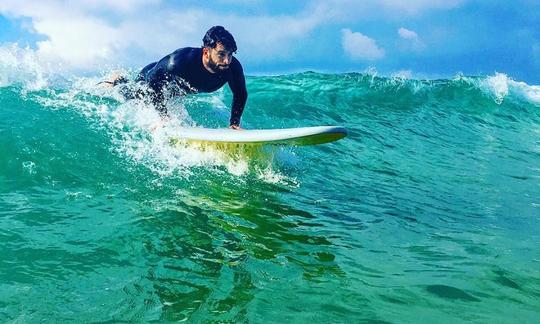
(227, 59)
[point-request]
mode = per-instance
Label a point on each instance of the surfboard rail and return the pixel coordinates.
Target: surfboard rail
(286, 136)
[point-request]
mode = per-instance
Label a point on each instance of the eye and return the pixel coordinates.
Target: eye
(224, 54)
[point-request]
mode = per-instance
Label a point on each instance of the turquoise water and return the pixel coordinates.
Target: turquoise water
(428, 212)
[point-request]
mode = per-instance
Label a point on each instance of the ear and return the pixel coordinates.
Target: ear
(205, 51)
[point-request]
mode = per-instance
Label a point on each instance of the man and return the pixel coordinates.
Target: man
(193, 70)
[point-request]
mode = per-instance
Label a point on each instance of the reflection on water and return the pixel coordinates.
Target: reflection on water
(212, 248)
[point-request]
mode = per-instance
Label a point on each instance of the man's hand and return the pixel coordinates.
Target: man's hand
(236, 127)
(113, 80)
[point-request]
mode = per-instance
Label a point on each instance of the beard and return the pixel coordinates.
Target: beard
(217, 68)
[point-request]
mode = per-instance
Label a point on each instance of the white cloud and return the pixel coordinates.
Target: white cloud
(90, 33)
(85, 41)
(411, 40)
(352, 10)
(242, 2)
(121, 6)
(419, 6)
(86, 34)
(359, 46)
(270, 37)
(407, 34)
(63, 8)
(76, 35)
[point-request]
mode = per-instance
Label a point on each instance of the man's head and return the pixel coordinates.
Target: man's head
(218, 34)
(218, 48)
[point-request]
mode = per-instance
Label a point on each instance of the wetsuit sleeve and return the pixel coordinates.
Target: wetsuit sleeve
(239, 91)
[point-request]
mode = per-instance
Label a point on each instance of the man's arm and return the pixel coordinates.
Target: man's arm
(238, 88)
(160, 77)
(156, 78)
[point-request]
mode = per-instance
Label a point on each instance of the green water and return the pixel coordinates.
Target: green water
(429, 211)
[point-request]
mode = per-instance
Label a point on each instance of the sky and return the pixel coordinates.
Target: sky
(413, 39)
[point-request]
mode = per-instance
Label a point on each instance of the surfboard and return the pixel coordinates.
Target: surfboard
(287, 136)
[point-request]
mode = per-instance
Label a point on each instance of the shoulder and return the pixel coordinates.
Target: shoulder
(187, 52)
(237, 79)
(236, 67)
(182, 58)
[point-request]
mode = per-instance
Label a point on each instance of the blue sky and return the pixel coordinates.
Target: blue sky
(415, 38)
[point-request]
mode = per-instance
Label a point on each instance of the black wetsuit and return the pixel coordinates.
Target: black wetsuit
(185, 71)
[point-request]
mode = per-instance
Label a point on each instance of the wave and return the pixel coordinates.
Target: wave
(23, 66)
(309, 92)
(137, 132)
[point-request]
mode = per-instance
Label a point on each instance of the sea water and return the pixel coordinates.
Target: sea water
(429, 211)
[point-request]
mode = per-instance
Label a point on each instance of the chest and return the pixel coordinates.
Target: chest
(203, 81)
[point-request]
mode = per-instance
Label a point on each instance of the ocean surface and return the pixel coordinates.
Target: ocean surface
(429, 211)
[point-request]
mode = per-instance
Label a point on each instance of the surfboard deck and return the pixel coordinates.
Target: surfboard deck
(287, 136)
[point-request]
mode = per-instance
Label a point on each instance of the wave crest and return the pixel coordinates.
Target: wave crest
(22, 66)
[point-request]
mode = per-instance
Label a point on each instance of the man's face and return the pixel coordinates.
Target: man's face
(219, 58)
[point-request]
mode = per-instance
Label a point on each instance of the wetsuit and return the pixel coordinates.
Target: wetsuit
(185, 71)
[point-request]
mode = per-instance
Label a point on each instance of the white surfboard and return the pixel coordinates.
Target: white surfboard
(288, 136)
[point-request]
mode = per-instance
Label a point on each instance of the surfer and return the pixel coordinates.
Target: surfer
(194, 70)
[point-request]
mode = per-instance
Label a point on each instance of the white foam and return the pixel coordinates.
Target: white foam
(269, 175)
(140, 134)
(501, 86)
(531, 93)
(29, 166)
(498, 84)
(136, 130)
(22, 65)
(403, 74)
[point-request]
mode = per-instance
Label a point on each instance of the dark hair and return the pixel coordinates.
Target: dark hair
(218, 34)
